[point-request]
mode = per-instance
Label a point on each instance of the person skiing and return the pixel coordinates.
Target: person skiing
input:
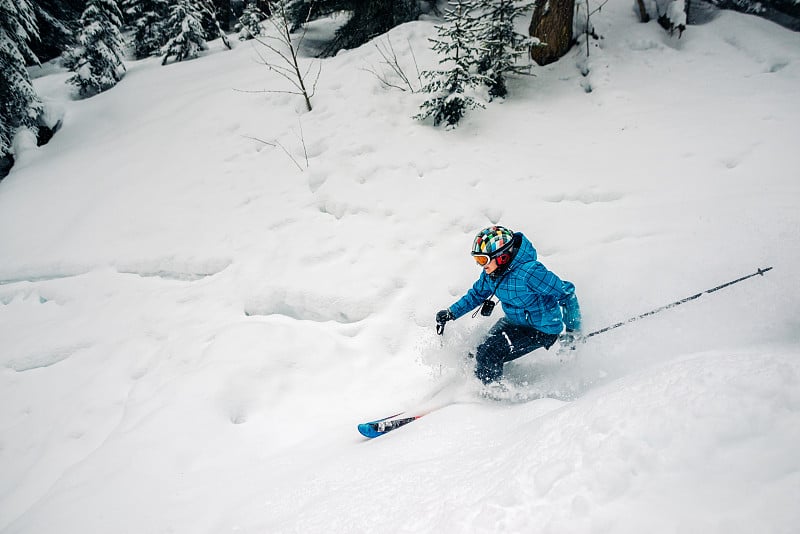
(537, 304)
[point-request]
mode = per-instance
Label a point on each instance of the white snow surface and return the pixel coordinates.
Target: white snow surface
(193, 322)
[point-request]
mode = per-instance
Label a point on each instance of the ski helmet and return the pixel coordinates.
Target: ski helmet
(493, 241)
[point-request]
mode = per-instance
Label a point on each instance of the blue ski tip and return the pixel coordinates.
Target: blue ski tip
(373, 429)
(368, 430)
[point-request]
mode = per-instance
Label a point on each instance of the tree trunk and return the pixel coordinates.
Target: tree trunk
(551, 24)
(643, 16)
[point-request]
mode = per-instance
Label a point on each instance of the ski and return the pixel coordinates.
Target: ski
(441, 397)
(373, 429)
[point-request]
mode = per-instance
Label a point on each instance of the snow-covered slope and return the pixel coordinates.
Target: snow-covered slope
(193, 321)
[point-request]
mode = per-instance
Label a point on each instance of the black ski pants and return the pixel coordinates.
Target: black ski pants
(506, 342)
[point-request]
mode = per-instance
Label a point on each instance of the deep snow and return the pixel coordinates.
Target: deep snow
(192, 327)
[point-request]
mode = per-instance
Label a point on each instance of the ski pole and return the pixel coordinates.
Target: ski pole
(676, 303)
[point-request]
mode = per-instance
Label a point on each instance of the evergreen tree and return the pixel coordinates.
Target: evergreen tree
(210, 23)
(456, 43)
(58, 25)
(250, 22)
(501, 46)
(184, 26)
(19, 104)
(148, 19)
(97, 60)
(783, 12)
(301, 11)
(368, 18)
(224, 13)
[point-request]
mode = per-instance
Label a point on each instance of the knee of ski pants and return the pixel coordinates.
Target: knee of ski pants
(490, 356)
(495, 347)
(489, 374)
(498, 348)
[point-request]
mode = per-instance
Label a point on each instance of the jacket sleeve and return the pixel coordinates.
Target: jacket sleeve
(570, 308)
(477, 294)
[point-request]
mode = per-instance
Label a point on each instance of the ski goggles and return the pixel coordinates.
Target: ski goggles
(482, 259)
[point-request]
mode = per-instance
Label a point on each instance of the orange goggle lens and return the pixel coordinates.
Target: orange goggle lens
(482, 259)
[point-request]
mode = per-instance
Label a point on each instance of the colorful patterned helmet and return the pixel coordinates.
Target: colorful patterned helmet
(493, 241)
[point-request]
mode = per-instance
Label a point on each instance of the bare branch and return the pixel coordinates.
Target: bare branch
(259, 140)
(290, 156)
(305, 25)
(262, 91)
(303, 140)
(391, 60)
(381, 78)
(286, 63)
(416, 65)
(316, 79)
(278, 144)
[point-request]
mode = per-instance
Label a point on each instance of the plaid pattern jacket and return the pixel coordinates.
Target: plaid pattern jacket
(530, 294)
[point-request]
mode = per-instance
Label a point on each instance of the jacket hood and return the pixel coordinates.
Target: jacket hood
(525, 253)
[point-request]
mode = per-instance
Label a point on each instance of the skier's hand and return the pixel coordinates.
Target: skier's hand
(441, 318)
(568, 339)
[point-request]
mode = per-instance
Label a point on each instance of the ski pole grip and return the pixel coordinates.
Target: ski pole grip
(440, 328)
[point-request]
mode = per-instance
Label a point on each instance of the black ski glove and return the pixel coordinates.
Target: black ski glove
(441, 318)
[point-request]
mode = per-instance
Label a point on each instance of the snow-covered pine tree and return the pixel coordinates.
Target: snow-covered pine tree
(456, 42)
(501, 46)
(185, 31)
(365, 18)
(674, 17)
(368, 19)
(210, 22)
(225, 12)
(97, 60)
(148, 19)
(19, 104)
(301, 12)
(58, 24)
(250, 22)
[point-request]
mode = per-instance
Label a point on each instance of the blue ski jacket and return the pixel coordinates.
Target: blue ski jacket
(530, 294)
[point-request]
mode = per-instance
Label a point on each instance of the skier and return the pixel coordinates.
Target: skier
(533, 299)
